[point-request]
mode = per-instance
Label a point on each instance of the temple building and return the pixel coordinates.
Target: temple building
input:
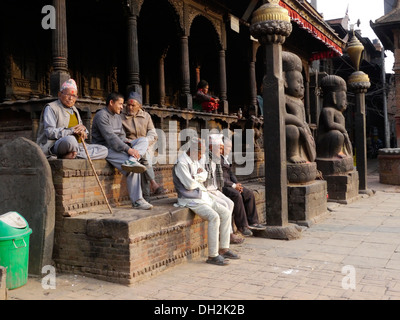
(161, 48)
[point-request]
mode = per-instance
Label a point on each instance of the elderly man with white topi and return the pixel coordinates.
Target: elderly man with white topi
(61, 130)
(188, 177)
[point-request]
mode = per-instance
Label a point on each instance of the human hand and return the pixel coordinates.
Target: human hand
(80, 131)
(134, 153)
(199, 170)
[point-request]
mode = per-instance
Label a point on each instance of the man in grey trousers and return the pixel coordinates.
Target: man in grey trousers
(107, 130)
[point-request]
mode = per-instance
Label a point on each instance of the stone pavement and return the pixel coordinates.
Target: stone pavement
(351, 253)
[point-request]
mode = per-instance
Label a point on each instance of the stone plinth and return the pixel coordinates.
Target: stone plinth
(301, 172)
(389, 166)
(307, 202)
(341, 177)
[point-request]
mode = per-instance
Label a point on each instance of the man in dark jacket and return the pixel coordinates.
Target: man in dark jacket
(245, 211)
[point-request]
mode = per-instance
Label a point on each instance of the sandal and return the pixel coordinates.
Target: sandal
(218, 260)
(159, 191)
(230, 255)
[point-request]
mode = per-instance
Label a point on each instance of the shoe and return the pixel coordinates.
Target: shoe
(133, 166)
(218, 260)
(230, 255)
(142, 204)
(246, 232)
(257, 226)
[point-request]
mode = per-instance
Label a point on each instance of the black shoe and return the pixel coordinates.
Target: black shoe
(246, 232)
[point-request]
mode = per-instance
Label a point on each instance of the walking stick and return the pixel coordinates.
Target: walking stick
(95, 174)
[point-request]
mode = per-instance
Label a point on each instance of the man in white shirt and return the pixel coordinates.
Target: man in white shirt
(188, 177)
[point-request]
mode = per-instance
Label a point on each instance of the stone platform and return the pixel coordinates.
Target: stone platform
(307, 202)
(341, 177)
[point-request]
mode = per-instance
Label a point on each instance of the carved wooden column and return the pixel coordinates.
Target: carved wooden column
(133, 55)
(359, 83)
(222, 82)
(271, 25)
(253, 86)
(59, 49)
(161, 79)
(186, 98)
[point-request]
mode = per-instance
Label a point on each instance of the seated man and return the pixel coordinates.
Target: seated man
(137, 123)
(61, 129)
(188, 175)
(107, 130)
(245, 210)
(215, 179)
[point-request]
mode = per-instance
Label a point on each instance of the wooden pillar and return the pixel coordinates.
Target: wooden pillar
(271, 25)
(59, 49)
(222, 82)
(186, 101)
(161, 80)
(133, 79)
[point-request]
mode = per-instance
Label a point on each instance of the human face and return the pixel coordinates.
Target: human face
(227, 148)
(205, 89)
(68, 97)
(132, 107)
(116, 106)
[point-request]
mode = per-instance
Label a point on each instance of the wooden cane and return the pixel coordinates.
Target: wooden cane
(95, 174)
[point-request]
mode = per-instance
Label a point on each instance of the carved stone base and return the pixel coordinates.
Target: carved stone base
(301, 172)
(307, 202)
(335, 166)
(288, 232)
(343, 188)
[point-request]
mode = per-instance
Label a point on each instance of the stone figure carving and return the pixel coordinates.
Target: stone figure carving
(300, 144)
(333, 141)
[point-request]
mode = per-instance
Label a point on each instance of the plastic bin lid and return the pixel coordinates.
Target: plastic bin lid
(12, 224)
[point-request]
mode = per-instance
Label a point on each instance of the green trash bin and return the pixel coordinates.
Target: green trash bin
(14, 248)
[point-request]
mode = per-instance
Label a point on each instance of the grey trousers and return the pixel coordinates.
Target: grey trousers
(69, 144)
(132, 179)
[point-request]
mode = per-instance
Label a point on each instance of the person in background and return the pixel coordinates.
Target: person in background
(208, 102)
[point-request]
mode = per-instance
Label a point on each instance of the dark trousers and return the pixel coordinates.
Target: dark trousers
(245, 210)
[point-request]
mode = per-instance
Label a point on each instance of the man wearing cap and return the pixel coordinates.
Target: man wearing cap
(61, 129)
(107, 130)
(137, 123)
(215, 180)
(245, 210)
(188, 177)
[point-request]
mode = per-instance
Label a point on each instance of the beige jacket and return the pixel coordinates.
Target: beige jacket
(139, 126)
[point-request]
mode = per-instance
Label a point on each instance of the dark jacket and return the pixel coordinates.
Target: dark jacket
(229, 176)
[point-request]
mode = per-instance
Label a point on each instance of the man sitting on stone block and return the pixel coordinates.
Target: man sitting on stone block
(245, 210)
(137, 123)
(107, 130)
(61, 129)
(188, 177)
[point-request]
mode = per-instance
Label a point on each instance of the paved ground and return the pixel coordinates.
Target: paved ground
(353, 253)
